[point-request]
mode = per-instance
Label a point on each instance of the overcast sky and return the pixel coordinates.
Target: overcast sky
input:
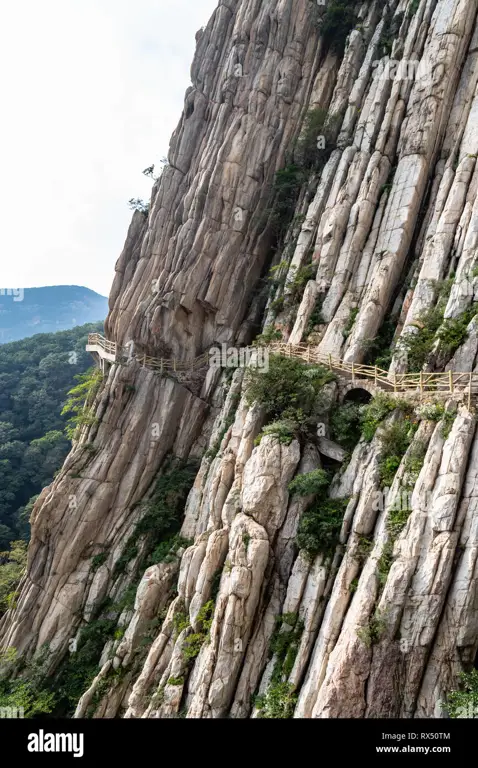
(91, 92)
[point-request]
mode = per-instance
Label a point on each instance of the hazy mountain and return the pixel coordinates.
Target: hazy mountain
(25, 312)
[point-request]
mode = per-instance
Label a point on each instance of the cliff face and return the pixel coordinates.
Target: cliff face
(383, 624)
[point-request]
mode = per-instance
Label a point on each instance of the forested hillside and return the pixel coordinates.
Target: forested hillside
(35, 376)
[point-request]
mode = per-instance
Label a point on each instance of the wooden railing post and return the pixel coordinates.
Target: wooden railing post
(451, 380)
(421, 385)
(330, 361)
(162, 365)
(353, 371)
(394, 382)
(376, 376)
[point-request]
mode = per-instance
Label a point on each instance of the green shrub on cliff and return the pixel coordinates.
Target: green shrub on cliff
(345, 424)
(288, 390)
(394, 442)
(21, 695)
(431, 328)
(284, 429)
(278, 702)
(309, 482)
(14, 562)
(372, 632)
(315, 142)
(81, 400)
(284, 196)
(320, 525)
(336, 24)
(376, 411)
(29, 695)
(464, 702)
(453, 331)
(194, 642)
(284, 645)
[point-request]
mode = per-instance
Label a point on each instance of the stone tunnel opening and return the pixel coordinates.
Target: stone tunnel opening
(357, 395)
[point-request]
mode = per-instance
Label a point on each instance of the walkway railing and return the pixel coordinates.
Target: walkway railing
(445, 382)
(95, 339)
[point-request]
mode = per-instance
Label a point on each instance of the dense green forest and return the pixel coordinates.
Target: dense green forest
(35, 376)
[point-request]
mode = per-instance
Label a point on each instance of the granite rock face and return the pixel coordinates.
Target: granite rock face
(382, 623)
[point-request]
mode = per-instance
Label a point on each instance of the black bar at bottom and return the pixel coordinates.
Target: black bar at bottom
(91, 742)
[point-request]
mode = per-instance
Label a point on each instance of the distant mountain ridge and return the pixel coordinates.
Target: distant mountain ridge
(28, 311)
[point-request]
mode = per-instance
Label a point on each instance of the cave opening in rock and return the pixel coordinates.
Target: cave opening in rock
(357, 395)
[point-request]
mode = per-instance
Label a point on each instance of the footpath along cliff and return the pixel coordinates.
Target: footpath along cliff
(274, 543)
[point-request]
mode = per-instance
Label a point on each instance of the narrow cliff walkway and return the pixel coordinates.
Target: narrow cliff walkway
(459, 384)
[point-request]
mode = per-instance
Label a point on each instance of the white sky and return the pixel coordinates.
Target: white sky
(91, 91)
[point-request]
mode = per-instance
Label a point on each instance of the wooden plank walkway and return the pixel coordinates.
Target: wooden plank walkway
(446, 382)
